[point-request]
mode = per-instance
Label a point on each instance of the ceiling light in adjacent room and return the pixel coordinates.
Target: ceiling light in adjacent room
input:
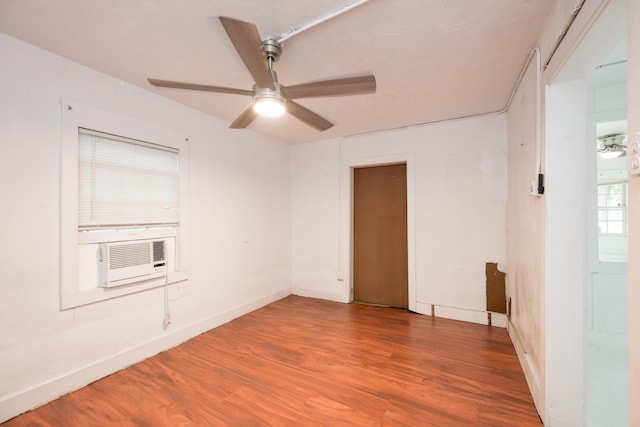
(611, 154)
(612, 146)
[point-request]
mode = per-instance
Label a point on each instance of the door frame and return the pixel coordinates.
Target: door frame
(567, 217)
(345, 252)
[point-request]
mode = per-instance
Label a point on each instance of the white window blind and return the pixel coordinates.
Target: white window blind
(125, 183)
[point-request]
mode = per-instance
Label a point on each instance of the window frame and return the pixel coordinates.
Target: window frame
(622, 207)
(76, 115)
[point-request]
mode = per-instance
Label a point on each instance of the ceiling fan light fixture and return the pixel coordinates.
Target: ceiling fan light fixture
(266, 105)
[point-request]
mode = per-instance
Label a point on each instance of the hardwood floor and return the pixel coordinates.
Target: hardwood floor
(302, 361)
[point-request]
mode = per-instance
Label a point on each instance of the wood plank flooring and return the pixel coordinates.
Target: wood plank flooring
(302, 361)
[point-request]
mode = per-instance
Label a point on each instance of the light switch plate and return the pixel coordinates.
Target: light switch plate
(633, 154)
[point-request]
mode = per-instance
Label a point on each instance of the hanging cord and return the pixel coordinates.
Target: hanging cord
(167, 316)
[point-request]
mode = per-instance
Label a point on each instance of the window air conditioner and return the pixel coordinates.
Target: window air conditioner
(122, 263)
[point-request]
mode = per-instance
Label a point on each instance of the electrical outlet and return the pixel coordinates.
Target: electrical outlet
(634, 159)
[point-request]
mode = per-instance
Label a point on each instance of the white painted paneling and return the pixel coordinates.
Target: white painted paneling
(239, 246)
(608, 312)
(613, 249)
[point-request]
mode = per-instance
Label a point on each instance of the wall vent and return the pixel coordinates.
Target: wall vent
(122, 263)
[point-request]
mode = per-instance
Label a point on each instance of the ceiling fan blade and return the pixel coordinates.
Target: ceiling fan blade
(244, 119)
(194, 86)
(337, 87)
(307, 116)
(246, 40)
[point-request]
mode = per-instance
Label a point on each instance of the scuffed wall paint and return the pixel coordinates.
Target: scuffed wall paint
(526, 273)
(525, 241)
(458, 174)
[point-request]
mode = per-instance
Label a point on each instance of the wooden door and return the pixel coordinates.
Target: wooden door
(380, 235)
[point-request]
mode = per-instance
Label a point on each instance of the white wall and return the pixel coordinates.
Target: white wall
(239, 219)
(315, 219)
(526, 238)
(457, 209)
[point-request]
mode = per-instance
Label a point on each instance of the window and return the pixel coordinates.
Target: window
(612, 211)
(123, 182)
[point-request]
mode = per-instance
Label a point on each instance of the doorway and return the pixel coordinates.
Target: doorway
(380, 246)
(587, 377)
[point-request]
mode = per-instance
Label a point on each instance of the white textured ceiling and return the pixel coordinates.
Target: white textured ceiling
(433, 59)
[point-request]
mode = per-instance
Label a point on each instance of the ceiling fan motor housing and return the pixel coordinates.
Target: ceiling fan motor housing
(263, 92)
(272, 49)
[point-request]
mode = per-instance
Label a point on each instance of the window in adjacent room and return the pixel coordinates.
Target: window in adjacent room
(612, 215)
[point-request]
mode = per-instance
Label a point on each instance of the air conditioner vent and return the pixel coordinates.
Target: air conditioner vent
(130, 255)
(122, 263)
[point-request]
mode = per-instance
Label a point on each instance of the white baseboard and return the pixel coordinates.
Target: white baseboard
(15, 404)
(422, 308)
(530, 372)
(319, 295)
(466, 315)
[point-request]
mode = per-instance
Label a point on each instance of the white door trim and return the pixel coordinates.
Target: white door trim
(346, 219)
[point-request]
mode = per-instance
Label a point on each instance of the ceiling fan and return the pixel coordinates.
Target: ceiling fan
(269, 96)
(612, 146)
